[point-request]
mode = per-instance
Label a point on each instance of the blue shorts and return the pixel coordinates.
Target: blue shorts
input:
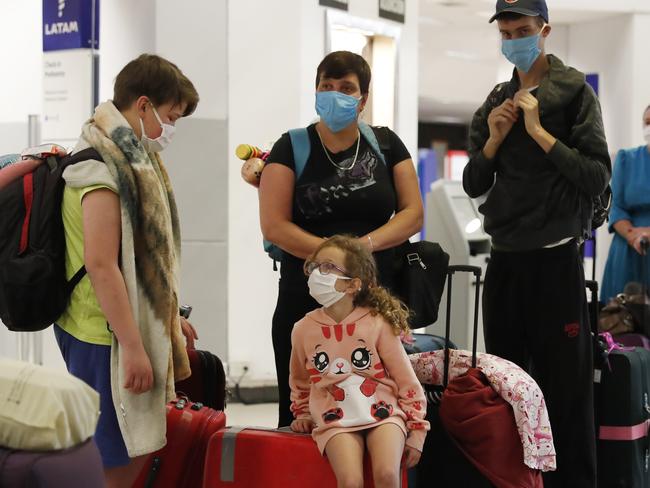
(92, 364)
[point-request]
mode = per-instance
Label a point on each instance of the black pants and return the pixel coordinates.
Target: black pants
(294, 301)
(535, 314)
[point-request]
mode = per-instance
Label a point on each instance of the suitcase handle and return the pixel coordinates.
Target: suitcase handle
(451, 270)
(592, 285)
(153, 472)
(456, 268)
(643, 244)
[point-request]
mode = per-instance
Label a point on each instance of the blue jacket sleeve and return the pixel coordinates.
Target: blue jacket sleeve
(618, 211)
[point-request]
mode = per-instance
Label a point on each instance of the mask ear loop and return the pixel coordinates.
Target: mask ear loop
(541, 32)
(357, 289)
(155, 112)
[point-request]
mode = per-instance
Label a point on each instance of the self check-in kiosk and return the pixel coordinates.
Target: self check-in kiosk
(453, 221)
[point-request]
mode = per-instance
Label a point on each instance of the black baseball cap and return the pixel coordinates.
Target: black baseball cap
(532, 8)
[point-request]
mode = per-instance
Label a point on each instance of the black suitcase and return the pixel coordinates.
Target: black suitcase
(442, 464)
(622, 412)
(207, 384)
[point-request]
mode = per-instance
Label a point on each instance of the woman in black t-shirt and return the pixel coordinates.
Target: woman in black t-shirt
(344, 188)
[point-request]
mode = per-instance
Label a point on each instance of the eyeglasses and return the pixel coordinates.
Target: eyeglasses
(325, 268)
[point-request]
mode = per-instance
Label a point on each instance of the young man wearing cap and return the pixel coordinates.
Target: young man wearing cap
(538, 150)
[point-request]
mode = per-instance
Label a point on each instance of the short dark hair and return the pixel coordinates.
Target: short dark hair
(154, 77)
(341, 63)
(515, 16)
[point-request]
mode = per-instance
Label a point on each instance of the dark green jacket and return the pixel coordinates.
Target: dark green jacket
(533, 198)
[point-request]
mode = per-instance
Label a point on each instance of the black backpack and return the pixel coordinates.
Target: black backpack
(597, 207)
(34, 291)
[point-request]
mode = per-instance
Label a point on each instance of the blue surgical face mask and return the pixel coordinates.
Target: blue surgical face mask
(522, 52)
(336, 109)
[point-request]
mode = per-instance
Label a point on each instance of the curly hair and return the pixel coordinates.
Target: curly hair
(359, 263)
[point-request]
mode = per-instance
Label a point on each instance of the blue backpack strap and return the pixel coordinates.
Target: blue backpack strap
(301, 149)
(369, 135)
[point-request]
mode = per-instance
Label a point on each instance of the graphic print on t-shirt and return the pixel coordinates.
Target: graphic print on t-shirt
(315, 199)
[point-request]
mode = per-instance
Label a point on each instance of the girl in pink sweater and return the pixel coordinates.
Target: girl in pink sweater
(352, 385)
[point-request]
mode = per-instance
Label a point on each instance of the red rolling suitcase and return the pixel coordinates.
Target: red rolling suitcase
(180, 463)
(253, 457)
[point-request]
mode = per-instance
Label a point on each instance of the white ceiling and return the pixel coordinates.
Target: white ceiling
(459, 51)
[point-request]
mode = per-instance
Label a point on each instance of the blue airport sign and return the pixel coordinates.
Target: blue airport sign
(68, 24)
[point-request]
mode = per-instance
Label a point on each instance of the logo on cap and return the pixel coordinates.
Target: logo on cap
(511, 1)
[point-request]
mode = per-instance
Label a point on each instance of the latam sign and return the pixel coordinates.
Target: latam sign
(70, 24)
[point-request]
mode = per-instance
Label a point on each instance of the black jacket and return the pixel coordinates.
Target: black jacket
(535, 199)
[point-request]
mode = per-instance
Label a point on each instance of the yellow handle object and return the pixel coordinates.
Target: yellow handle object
(246, 151)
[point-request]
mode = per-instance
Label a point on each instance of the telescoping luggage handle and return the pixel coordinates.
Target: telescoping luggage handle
(451, 270)
(643, 244)
(592, 285)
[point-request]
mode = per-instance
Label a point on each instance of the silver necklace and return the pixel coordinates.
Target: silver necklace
(356, 153)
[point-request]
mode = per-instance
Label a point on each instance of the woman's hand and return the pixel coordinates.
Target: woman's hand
(189, 332)
(636, 242)
(630, 235)
(411, 457)
(304, 426)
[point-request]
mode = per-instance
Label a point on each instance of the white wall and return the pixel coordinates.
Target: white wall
(640, 74)
(607, 48)
(194, 37)
(126, 30)
(265, 101)
(263, 105)
(21, 81)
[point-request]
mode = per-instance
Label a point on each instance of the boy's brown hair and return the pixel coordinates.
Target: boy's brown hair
(156, 78)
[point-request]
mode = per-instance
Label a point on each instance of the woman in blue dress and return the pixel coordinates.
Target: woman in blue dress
(629, 217)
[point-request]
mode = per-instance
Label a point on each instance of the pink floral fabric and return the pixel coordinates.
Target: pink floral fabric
(513, 384)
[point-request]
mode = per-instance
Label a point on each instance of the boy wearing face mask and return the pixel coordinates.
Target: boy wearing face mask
(345, 188)
(121, 332)
(538, 150)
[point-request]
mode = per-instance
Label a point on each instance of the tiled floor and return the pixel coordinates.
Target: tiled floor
(259, 415)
